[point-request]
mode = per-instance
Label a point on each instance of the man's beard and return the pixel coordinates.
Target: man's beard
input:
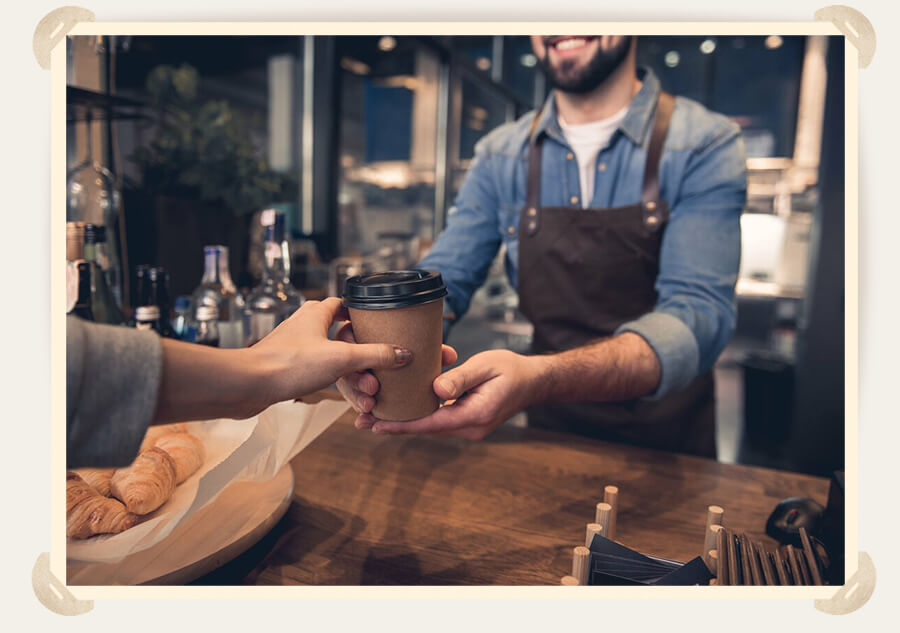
(586, 79)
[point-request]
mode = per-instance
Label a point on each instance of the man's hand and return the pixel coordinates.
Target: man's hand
(488, 389)
(359, 388)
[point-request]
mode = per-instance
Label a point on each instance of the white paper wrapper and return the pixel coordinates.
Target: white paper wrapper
(254, 449)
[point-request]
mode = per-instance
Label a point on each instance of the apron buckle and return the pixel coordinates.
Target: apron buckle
(652, 218)
(531, 224)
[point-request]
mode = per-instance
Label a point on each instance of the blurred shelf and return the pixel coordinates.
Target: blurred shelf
(83, 104)
(751, 288)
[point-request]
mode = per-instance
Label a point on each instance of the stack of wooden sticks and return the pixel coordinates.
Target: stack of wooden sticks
(732, 557)
(605, 525)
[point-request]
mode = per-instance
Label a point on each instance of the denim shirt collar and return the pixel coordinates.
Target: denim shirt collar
(634, 125)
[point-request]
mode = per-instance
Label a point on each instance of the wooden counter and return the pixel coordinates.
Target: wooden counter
(371, 509)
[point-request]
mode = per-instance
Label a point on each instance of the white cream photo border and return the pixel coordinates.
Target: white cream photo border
(57, 303)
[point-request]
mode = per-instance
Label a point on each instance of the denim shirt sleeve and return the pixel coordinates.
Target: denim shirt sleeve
(465, 249)
(694, 315)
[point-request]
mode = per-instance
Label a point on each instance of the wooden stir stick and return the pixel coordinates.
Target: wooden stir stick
(603, 517)
(611, 497)
(591, 530)
(810, 557)
(581, 558)
(722, 570)
(767, 569)
(714, 516)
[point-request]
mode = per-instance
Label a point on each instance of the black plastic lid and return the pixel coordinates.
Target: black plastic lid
(393, 289)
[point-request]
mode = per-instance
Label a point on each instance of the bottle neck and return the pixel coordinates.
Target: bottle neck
(215, 269)
(82, 306)
(89, 145)
(277, 260)
(90, 252)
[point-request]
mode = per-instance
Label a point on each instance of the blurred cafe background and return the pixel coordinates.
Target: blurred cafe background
(190, 157)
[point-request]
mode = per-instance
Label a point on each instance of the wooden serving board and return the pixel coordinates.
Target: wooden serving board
(225, 528)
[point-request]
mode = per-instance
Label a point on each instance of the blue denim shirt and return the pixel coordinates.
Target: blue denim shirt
(702, 178)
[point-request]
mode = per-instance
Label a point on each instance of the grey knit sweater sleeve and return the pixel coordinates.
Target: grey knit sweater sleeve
(112, 381)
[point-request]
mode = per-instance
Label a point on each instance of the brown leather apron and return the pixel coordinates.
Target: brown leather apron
(585, 272)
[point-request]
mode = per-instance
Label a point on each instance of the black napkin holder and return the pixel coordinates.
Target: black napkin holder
(615, 564)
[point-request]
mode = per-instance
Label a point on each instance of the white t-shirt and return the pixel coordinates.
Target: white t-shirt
(586, 141)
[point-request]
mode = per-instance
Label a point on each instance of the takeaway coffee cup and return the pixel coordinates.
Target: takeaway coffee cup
(404, 308)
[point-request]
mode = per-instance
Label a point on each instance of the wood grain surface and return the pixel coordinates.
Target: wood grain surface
(410, 510)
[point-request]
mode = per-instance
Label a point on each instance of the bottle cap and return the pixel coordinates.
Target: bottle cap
(393, 289)
(267, 217)
(146, 313)
(207, 313)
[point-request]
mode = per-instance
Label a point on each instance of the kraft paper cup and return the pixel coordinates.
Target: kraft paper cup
(403, 308)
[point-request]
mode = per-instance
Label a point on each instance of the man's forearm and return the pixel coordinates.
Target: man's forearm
(623, 367)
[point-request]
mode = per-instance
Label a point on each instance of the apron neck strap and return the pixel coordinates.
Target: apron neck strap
(533, 180)
(665, 104)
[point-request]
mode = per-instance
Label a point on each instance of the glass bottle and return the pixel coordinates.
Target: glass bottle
(103, 303)
(82, 307)
(216, 289)
(182, 316)
(74, 241)
(93, 197)
(105, 260)
(147, 318)
(152, 301)
(204, 329)
(274, 299)
(159, 289)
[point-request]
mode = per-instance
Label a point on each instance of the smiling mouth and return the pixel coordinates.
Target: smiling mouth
(563, 43)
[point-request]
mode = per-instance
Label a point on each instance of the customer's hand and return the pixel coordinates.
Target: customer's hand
(359, 388)
(488, 389)
(300, 357)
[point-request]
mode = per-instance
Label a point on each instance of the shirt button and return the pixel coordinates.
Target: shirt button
(532, 212)
(570, 156)
(601, 167)
(574, 199)
(511, 230)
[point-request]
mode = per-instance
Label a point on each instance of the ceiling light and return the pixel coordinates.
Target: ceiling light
(483, 63)
(528, 60)
(672, 58)
(707, 46)
(773, 42)
(387, 43)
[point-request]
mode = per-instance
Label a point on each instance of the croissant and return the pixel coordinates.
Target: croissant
(96, 478)
(185, 450)
(155, 432)
(147, 483)
(89, 513)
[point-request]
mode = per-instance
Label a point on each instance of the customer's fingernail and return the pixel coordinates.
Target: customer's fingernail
(402, 356)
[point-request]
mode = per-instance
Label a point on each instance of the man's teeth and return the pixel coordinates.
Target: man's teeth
(566, 45)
